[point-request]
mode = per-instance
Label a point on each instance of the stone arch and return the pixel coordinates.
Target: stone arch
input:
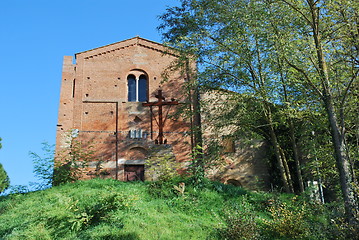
(136, 153)
(234, 182)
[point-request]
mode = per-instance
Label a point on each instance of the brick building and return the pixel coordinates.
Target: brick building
(101, 101)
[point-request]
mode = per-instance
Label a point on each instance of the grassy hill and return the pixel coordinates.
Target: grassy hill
(108, 209)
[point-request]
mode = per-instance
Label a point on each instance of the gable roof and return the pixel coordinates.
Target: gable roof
(121, 45)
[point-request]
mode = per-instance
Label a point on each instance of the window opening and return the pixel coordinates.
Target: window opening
(142, 89)
(132, 86)
(136, 134)
(137, 88)
(73, 88)
(228, 144)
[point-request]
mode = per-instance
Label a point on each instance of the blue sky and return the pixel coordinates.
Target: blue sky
(34, 37)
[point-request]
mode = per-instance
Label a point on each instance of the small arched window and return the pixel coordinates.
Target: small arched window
(132, 86)
(142, 89)
(137, 88)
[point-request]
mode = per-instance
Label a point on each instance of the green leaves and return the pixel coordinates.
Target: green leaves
(4, 179)
(44, 166)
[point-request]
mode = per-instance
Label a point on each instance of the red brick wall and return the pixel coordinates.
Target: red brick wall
(99, 76)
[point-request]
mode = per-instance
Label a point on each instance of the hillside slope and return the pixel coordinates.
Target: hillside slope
(108, 209)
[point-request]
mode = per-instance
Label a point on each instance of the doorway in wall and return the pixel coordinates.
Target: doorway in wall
(134, 172)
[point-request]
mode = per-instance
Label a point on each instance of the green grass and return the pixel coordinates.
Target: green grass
(109, 209)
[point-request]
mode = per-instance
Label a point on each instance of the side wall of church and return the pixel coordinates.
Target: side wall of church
(65, 114)
(242, 161)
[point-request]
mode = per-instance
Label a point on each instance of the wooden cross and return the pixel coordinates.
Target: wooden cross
(160, 103)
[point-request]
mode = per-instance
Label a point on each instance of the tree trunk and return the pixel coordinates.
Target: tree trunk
(197, 150)
(343, 164)
(292, 135)
(275, 144)
(287, 171)
(341, 157)
(296, 156)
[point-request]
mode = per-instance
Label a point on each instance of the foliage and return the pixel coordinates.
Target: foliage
(287, 222)
(19, 189)
(65, 166)
(299, 55)
(109, 209)
(240, 222)
(196, 168)
(4, 179)
(339, 227)
(86, 215)
(44, 166)
(162, 168)
(70, 163)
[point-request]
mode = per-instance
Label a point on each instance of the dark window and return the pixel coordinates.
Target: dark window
(142, 89)
(137, 88)
(132, 86)
(73, 88)
(228, 144)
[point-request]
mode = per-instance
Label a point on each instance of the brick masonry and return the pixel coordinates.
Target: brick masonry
(94, 101)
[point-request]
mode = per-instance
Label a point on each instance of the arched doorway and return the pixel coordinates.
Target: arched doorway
(134, 168)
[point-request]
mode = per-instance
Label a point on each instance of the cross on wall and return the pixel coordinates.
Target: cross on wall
(161, 122)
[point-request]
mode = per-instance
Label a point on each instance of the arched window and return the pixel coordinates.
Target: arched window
(132, 86)
(137, 88)
(142, 89)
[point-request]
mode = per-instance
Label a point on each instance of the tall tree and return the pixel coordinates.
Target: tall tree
(326, 60)
(231, 50)
(238, 44)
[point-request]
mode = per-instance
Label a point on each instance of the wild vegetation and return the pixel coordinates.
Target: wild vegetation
(290, 68)
(174, 209)
(4, 178)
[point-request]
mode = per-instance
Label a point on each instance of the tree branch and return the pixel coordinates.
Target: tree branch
(345, 94)
(298, 10)
(305, 76)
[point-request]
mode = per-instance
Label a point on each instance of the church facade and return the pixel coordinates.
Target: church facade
(116, 99)
(101, 102)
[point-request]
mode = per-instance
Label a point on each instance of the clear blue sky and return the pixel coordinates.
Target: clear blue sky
(34, 37)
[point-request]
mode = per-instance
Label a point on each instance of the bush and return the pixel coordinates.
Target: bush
(240, 222)
(88, 214)
(287, 220)
(70, 163)
(43, 166)
(162, 168)
(164, 189)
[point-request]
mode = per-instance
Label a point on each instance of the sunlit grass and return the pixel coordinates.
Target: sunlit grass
(109, 209)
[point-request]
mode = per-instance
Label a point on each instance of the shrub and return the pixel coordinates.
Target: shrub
(70, 163)
(162, 168)
(240, 222)
(43, 166)
(164, 189)
(91, 213)
(287, 221)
